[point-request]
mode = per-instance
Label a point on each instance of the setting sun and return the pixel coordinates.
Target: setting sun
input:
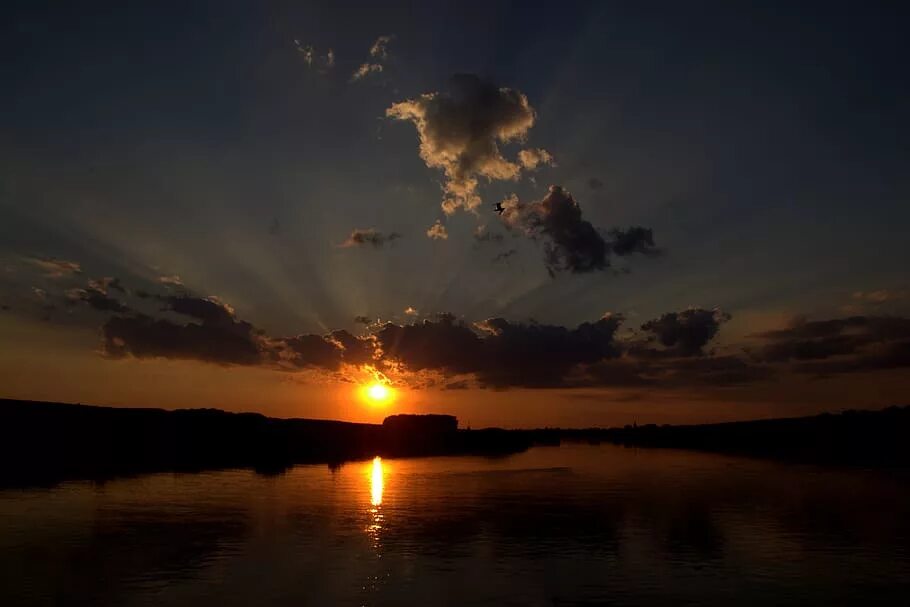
(377, 393)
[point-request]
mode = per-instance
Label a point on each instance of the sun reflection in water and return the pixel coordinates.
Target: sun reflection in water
(376, 482)
(377, 485)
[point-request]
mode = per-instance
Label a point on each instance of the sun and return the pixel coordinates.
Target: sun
(377, 393)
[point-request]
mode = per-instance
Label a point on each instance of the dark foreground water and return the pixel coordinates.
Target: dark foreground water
(575, 525)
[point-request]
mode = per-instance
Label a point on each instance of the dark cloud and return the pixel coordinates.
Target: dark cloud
(504, 255)
(96, 295)
(671, 351)
(685, 333)
(96, 299)
(595, 184)
(105, 284)
(635, 239)
(571, 243)
(207, 309)
(483, 234)
(460, 132)
(498, 352)
(145, 337)
(360, 237)
(363, 320)
(840, 345)
(219, 337)
(310, 351)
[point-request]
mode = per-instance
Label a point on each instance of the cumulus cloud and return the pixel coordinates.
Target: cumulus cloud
(437, 231)
(571, 243)
(530, 159)
(56, 268)
(498, 352)
(686, 333)
(369, 236)
(461, 130)
(670, 351)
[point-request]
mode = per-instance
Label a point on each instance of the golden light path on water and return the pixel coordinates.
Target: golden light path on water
(377, 484)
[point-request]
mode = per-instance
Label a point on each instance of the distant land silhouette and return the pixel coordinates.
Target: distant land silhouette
(44, 443)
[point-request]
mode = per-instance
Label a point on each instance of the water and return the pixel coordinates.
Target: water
(574, 525)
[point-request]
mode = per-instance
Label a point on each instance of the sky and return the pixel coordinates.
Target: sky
(577, 214)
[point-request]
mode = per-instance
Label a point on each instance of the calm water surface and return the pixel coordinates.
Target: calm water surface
(575, 525)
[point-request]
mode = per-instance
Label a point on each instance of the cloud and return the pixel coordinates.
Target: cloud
(483, 234)
(636, 239)
(460, 132)
(363, 320)
(380, 49)
(437, 231)
(96, 296)
(322, 63)
(360, 237)
(531, 158)
(39, 293)
(571, 243)
(595, 184)
(105, 284)
(56, 268)
(142, 336)
(410, 311)
(379, 54)
(497, 352)
(840, 345)
(217, 336)
(686, 333)
(365, 70)
(171, 280)
(504, 255)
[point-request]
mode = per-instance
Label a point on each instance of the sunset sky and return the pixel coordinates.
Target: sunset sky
(704, 209)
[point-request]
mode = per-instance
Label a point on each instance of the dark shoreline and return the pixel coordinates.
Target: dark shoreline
(45, 443)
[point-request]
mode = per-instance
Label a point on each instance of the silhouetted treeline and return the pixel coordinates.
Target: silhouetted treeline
(875, 438)
(47, 442)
